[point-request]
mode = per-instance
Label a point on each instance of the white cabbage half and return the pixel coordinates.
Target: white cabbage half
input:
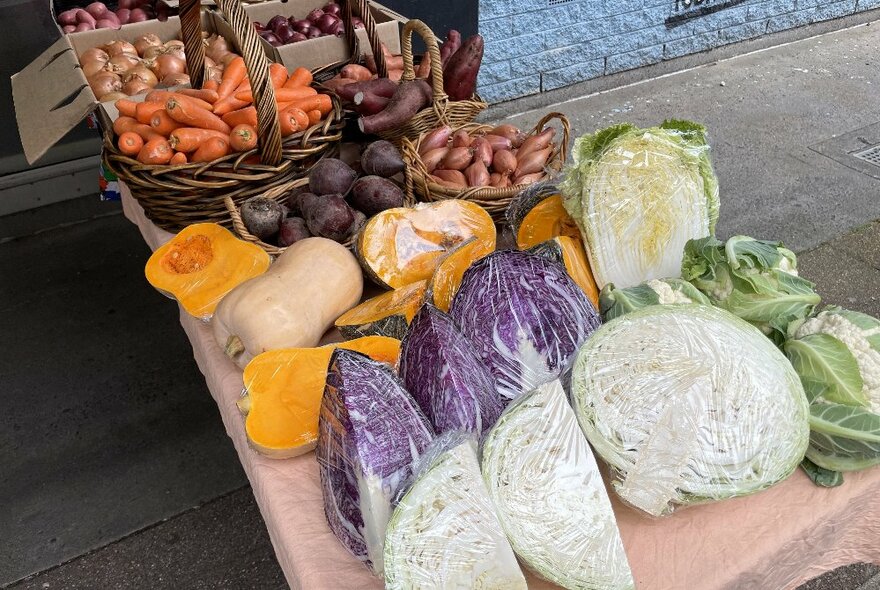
(544, 481)
(444, 533)
(689, 404)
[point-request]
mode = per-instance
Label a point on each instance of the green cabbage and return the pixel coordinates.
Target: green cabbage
(614, 302)
(753, 279)
(689, 403)
(638, 195)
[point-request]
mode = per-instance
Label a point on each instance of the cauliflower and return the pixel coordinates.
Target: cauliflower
(667, 295)
(861, 335)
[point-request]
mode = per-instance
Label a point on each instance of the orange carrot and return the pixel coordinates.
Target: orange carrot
(356, 72)
(188, 139)
(209, 96)
(319, 102)
(211, 85)
(162, 123)
(177, 159)
(123, 124)
(299, 77)
(314, 117)
(144, 111)
(212, 149)
(243, 138)
(278, 75)
(126, 107)
(194, 116)
(292, 120)
(130, 143)
(229, 104)
(245, 116)
(281, 94)
(233, 75)
(164, 95)
(155, 151)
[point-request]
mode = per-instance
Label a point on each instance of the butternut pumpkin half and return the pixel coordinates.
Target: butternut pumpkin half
(387, 314)
(537, 215)
(292, 304)
(284, 389)
(570, 253)
(404, 245)
(203, 263)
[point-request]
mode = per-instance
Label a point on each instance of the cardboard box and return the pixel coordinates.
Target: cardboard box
(323, 51)
(51, 94)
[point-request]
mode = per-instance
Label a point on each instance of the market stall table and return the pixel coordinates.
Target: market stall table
(776, 539)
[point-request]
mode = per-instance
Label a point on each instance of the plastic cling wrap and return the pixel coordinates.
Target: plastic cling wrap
(688, 404)
(638, 196)
(370, 431)
(444, 533)
(544, 481)
(525, 316)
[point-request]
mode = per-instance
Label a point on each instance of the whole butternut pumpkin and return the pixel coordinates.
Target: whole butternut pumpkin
(292, 304)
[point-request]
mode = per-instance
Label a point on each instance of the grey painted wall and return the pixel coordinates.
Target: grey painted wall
(537, 45)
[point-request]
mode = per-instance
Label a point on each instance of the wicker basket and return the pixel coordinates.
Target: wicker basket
(176, 196)
(419, 185)
(442, 110)
(349, 8)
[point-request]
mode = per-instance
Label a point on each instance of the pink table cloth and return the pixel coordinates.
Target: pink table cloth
(777, 539)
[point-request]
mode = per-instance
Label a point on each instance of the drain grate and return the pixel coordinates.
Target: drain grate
(870, 155)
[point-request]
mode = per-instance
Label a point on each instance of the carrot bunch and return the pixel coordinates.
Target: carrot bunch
(189, 125)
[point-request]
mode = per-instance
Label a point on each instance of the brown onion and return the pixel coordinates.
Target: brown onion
(166, 65)
(210, 63)
(227, 58)
(92, 67)
(175, 51)
(143, 73)
(94, 54)
(174, 80)
(514, 134)
(216, 47)
(113, 96)
(153, 52)
(215, 74)
(119, 47)
(122, 63)
(135, 86)
(145, 41)
(105, 83)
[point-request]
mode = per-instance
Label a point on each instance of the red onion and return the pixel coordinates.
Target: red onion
(96, 9)
(333, 8)
(106, 23)
(68, 28)
(137, 15)
(297, 36)
(357, 23)
(314, 32)
(275, 22)
(68, 17)
(123, 14)
(315, 15)
(303, 26)
(126, 4)
(272, 39)
(83, 27)
(337, 29)
(325, 22)
(84, 17)
(259, 26)
(284, 32)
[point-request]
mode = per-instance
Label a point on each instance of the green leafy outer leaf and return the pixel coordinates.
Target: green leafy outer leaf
(843, 438)
(827, 368)
(821, 476)
(615, 302)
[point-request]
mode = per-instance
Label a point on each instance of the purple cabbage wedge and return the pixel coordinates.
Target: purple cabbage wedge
(525, 316)
(440, 369)
(370, 431)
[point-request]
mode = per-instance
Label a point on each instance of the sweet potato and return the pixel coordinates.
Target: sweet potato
(374, 194)
(408, 100)
(331, 176)
(367, 103)
(336, 84)
(356, 72)
(262, 217)
(333, 219)
(450, 46)
(379, 86)
(460, 74)
(382, 159)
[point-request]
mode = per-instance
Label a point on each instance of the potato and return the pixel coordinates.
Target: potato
(293, 229)
(331, 176)
(329, 216)
(381, 158)
(262, 217)
(373, 194)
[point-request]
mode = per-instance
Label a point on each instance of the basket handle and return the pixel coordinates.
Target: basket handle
(566, 131)
(268, 130)
(440, 97)
(362, 7)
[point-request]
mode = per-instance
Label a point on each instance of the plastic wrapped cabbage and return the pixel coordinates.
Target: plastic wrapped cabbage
(837, 355)
(444, 532)
(544, 481)
(754, 279)
(689, 404)
(614, 302)
(638, 196)
(370, 431)
(440, 369)
(525, 316)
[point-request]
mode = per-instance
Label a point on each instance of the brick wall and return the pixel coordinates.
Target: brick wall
(537, 45)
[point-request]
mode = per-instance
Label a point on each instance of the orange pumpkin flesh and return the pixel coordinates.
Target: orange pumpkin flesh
(387, 314)
(544, 221)
(284, 390)
(450, 271)
(570, 252)
(403, 245)
(203, 263)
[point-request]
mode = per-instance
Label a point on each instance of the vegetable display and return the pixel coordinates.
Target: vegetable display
(370, 431)
(98, 15)
(689, 404)
(551, 501)
(638, 195)
(266, 312)
(283, 393)
(444, 532)
(837, 355)
(525, 317)
(450, 383)
(281, 30)
(201, 264)
(614, 302)
(753, 279)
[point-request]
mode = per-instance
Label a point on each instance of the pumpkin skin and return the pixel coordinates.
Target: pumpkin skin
(203, 263)
(537, 215)
(571, 254)
(387, 314)
(292, 304)
(284, 391)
